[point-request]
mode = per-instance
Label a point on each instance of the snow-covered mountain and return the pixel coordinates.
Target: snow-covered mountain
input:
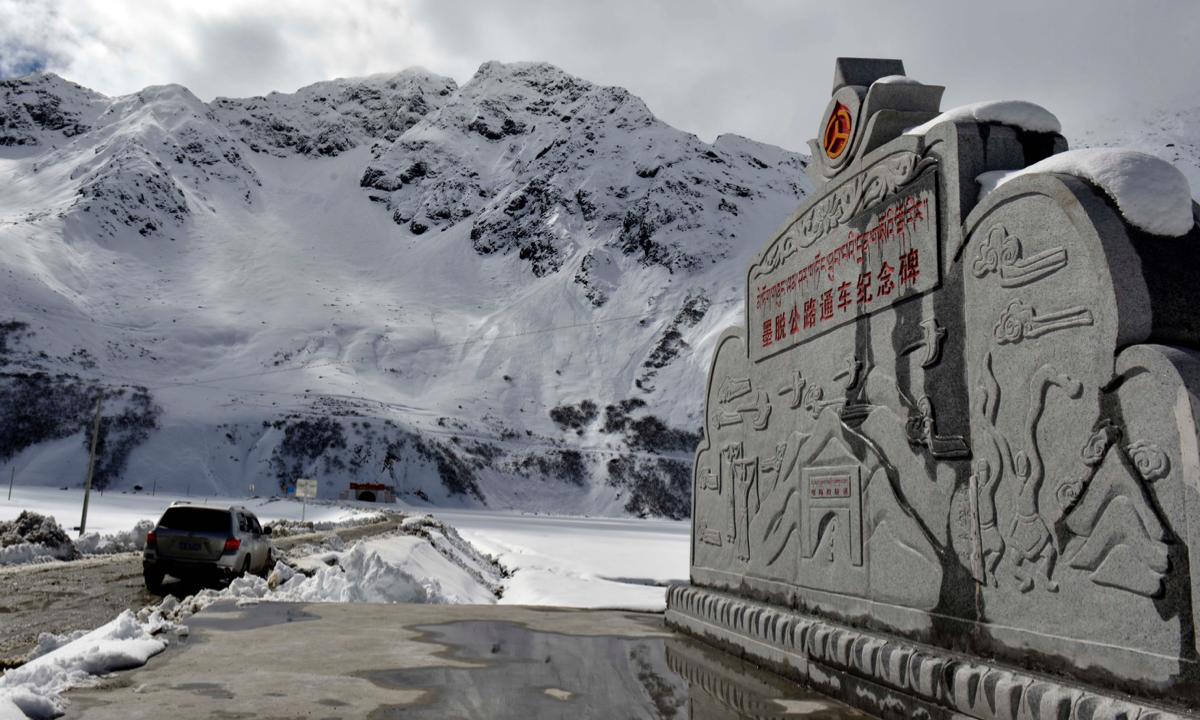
(504, 293)
(1173, 136)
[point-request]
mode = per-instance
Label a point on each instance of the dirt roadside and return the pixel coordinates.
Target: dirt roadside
(84, 594)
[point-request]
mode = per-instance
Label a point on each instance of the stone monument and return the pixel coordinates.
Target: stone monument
(951, 463)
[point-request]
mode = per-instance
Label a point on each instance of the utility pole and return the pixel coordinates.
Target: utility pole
(12, 476)
(87, 492)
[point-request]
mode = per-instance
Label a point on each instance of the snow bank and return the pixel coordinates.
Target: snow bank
(1151, 194)
(425, 567)
(125, 541)
(34, 688)
(1018, 113)
(33, 538)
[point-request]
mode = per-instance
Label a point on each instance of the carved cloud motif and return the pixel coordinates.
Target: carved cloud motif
(1001, 252)
(1019, 321)
(1149, 459)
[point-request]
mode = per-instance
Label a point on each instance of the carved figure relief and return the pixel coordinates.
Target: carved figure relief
(1029, 533)
(922, 431)
(933, 334)
(986, 479)
(710, 480)
(730, 454)
(991, 542)
(1019, 321)
(745, 481)
(1001, 252)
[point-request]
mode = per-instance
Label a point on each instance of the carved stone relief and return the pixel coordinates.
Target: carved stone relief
(931, 341)
(922, 431)
(870, 188)
(1018, 321)
(1001, 252)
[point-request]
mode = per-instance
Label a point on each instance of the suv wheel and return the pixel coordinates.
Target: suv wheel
(154, 580)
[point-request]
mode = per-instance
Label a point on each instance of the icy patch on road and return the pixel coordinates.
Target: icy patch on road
(35, 688)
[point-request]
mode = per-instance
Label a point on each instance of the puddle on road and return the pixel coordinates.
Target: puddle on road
(529, 674)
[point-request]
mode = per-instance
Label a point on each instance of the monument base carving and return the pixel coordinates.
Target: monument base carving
(885, 676)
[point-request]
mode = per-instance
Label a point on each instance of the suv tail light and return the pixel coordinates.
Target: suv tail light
(232, 544)
(151, 539)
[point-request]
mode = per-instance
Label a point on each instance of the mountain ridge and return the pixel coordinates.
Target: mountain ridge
(491, 261)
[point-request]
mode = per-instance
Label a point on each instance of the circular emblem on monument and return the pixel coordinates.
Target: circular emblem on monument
(837, 132)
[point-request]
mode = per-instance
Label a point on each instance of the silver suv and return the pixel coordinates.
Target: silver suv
(197, 543)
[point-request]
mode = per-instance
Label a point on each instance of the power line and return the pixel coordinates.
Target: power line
(446, 346)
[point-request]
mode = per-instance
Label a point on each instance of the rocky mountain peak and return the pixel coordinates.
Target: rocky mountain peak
(330, 117)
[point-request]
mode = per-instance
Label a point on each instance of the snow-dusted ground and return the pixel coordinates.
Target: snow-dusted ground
(581, 562)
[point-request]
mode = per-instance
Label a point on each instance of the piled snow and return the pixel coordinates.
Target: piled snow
(1017, 113)
(612, 563)
(33, 688)
(389, 569)
(32, 538)
(1151, 193)
(125, 541)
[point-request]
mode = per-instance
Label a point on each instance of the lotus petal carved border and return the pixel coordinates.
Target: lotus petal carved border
(863, 191)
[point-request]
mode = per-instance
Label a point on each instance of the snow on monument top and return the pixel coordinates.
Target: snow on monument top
(1152, 194)
(1018, 113)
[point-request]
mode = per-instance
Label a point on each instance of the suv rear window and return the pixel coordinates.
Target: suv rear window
(195, 519)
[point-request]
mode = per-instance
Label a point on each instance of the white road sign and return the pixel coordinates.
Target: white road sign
(306, 488)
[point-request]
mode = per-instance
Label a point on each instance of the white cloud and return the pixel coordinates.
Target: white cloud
(761, 69)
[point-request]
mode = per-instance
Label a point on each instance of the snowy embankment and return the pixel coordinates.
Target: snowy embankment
(33, 690)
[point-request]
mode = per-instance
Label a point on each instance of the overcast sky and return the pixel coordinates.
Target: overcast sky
(760, 69)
